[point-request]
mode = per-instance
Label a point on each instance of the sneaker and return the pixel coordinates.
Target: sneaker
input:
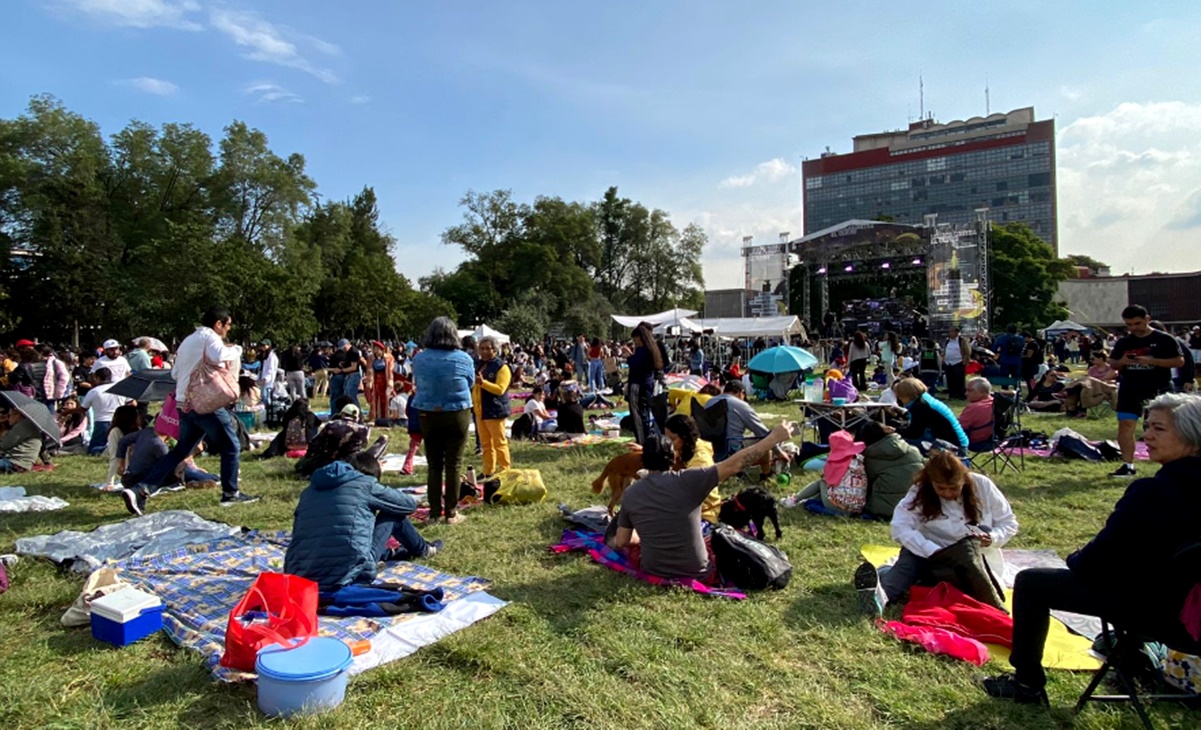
(135, 500)
(1006, 687)
(237, 498)
(432, 548)
(869, 594)
(1125, 471)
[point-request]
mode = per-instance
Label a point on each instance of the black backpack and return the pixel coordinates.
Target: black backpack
(748, 563)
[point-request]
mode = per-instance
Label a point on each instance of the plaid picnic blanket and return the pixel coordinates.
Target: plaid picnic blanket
(200, 584)
(593, 543)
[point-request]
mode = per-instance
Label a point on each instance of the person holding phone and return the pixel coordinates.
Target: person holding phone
(1144, 358)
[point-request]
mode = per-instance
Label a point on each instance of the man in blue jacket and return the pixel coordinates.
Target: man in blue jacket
(342, 524)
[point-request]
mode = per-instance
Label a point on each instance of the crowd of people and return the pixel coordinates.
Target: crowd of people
(948, 520)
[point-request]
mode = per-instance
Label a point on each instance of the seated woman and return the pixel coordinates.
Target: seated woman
(343, 521)
(126, 420)
(929, 418)
(1044, 396)
(72, 428)
(139, 451)
(251, 399)
(570, 412)
(21, 443)
(951, 526)
(300, 427)
(691, 451)
(891, 464)
(535, 408)
(1124, 572)
(1098, 386)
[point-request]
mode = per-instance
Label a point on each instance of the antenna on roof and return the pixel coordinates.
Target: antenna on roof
(987, 105)
(921, 97)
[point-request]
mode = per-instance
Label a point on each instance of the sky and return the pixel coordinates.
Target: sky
(703, 109)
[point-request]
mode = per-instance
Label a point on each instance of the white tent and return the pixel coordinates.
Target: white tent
(669, 318)
(483, 330)
(753, 326)
(1067, 325)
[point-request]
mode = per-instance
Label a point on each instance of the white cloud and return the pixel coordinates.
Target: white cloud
(361, 99)
(150, 85)
(771, 171)
(274, 44)
(138, 13)
(1128, 186)
(266, 92)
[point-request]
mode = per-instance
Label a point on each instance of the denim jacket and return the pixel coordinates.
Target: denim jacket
(444, 379)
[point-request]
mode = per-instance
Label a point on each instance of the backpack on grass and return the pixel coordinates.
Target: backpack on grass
(748, 563)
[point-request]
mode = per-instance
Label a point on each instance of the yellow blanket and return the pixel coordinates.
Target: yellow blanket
(1064, 650)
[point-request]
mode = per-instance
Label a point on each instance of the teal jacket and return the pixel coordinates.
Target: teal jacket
(334, 525)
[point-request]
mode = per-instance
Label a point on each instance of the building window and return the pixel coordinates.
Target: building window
(1038, 180)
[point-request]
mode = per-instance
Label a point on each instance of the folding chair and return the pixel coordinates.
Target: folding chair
(711, 421)
(1007, 425)
(1126, 641)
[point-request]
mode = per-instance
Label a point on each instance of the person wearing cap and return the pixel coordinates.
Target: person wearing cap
(344, 374)
(113, 360)
(340, 437)
(139, 356)
(378, 385)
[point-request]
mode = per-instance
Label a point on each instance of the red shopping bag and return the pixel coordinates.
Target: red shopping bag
(278, 607)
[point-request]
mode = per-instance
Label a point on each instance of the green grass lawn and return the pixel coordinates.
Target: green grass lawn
(579, 646)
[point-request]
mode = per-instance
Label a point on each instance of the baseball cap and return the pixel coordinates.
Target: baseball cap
(266, 342)
(350, 409)
(343, 342)
(24, 343)
(110, 344)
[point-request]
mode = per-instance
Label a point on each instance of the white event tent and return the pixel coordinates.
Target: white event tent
(669, 318)
(482, 331)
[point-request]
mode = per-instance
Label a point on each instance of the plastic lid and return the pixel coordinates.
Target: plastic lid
(125, 604)
(319, 658)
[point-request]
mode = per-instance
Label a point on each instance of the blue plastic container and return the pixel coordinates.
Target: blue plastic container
(123, 617)
(302, 680)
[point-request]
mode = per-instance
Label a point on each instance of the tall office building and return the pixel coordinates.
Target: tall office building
(1003, 162)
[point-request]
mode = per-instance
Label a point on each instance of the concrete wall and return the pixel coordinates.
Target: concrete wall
(1095, 301)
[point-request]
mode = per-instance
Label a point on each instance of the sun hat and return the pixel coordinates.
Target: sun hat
(110, 344)
(350, 409)
(843, 448)
(377, 343)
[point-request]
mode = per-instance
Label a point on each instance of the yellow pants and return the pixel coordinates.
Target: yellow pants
(495, 445)
(320, 382)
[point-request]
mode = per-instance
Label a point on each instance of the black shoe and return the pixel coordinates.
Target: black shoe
(237, 498)
(1006, 687)
(135, 500)
(1125, 471)
(432, 548)
(869, 594)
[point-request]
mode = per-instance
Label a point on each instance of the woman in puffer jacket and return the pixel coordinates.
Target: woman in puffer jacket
(891, 464)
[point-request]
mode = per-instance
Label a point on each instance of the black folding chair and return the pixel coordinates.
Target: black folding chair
(1007, 425)
(1126, 641)
(711, 420)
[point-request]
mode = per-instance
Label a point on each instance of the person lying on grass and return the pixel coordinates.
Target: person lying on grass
(1126, 572)
(951, 527)
(343, 521)
(659, 525)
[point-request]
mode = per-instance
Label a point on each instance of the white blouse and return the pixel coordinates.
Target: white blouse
(926, 537)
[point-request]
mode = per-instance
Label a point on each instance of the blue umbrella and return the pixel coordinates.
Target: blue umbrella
(782, 359)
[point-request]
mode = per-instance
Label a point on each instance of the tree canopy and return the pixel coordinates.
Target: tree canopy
(1025, 277)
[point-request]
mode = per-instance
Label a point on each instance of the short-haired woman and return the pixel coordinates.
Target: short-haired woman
(951, 526)
(929, 418)
(1125, 573)
(444, 375)
(490, 397)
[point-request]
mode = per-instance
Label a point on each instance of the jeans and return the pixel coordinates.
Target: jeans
(7, 467)
(445, 433)
(190, 474)
(639, 400)
(859, 374)
(220, 434)
(391, 524)
(956, 387)
(99, 440)
(337, 387)
(596, 375)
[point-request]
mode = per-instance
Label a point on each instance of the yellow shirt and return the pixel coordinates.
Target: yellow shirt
(503, 377)
(704, 457)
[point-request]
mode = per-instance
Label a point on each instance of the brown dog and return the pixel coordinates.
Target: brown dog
(620, 472)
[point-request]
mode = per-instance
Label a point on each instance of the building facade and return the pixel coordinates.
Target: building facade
(1174, 299)
(1003, 162)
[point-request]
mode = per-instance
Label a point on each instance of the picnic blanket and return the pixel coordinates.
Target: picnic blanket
(1064, 649)
(200, 584)
(586, 439)
(593, 543)
(136, 537)
(14, 499)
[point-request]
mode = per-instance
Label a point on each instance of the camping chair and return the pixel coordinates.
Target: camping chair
(1126, 642)
(711, 422)
(1007, 425)
(760, 385)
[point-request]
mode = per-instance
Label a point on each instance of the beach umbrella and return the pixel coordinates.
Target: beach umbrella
(37, 413)
(325, 343)
(686, 382)
(145, 385)
(155, 343)
(782, 359)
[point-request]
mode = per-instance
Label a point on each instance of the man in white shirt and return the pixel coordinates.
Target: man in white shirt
(269, 371)
(218, 430)
(113, 360)
(103, 406)
(957, 352)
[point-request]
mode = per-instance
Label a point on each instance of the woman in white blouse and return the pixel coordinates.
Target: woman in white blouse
(951, 527)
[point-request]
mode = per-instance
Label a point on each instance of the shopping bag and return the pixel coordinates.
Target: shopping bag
(517, 486)
(211, 387)
(166, 423)
(277, 607)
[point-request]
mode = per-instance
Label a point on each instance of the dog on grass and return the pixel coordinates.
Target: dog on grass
(619, 473)
(752, 506)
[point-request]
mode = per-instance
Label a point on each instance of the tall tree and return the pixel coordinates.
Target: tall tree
(1025, 277)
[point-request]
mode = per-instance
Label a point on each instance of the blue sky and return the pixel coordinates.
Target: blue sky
(704, 109)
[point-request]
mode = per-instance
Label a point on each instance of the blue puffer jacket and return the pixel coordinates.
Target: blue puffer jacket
(333, 527)
(444, 379)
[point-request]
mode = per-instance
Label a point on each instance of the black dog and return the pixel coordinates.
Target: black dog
(750, 506)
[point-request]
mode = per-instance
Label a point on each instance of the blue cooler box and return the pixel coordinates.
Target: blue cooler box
(123, 617)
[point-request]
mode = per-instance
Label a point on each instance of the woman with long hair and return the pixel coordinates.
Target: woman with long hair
(857, 356)
(644, 362)
(951, 527)
(444, 375)
(890, 353)
(379, 381)
(692, 452)
(126, 420)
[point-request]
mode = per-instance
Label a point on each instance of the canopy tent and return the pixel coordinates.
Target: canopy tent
(753, 326)
(670, 318)
(482, 331)
(1066, 325)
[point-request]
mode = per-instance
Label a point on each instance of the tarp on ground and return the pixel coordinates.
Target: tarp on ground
(671, 317)
(785, 326)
